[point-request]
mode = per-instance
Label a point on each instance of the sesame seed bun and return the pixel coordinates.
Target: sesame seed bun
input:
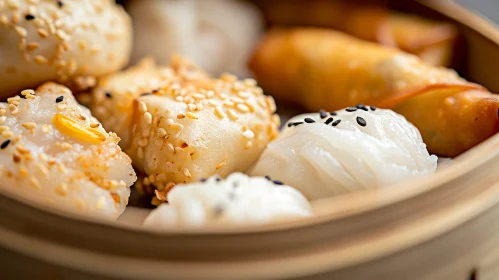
(64, 41)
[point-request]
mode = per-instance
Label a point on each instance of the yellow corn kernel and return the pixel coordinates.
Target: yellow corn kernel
(72, 128)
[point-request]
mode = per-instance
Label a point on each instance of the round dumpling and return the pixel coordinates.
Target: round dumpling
(64, 41)
(237, 200)
(52, 151)
(325, 154)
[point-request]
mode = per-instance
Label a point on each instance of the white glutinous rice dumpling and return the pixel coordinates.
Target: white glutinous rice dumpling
(55, 153)
(237, 200)
(325, 154)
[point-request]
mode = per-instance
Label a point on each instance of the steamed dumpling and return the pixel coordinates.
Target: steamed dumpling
(325, 154)
(217, 35)
(237, 200)
(185, 125)
(52, 151)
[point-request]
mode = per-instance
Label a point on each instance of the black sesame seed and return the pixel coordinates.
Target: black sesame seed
(328, 121)
(333, 113)
(202, 180)
(373, 108)
(268, 178)
(60, 4)
(361, 121)
(59, 99)
(108, 94)
(218, 179)
(309, 120)
(322, 114)
(362, 107)
(5, 144)
(351, 109)
(29, 17)
(277, 182)
(145, 94)
(336, 122)
(297, 123)
(290, 124)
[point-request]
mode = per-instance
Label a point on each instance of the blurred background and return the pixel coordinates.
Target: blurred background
(489, 8)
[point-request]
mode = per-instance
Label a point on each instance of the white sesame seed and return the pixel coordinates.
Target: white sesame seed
(213, 103)
(62, 189)
(32, 46)
(27, 91)
(191, 116)
(220, 165)
(39, 59)
(248, 145)
(13, 109)
(186, 172)
(29, 125)
(249, 134)
(242, 108)
(176, 126)
(170, 146)
(148, 117)
(219, 113)
(142, 107)
(46, 128)
(161, 132)
(21, 31)
(232, 114)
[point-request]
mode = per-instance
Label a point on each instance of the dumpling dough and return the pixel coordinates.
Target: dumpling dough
(52, 151)
(237, 200)
(325, 154)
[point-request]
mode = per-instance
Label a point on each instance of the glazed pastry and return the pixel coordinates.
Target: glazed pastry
(217, 35)
(237, 200)
(326, 154)
(324, 69)
(192, 126)
(65, 41)
(432, 41)
(55, 153)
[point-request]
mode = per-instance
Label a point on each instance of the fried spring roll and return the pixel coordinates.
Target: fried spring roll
(433, 41)
(324, 69)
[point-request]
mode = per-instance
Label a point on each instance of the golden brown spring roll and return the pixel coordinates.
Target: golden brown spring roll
(324, 69)
(431, 40)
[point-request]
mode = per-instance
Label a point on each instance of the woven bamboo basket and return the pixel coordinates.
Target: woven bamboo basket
(441, 227)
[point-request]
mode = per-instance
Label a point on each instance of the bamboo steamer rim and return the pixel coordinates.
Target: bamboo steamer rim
(366, 202)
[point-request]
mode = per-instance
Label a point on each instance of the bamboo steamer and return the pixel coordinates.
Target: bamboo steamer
(440, 227)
